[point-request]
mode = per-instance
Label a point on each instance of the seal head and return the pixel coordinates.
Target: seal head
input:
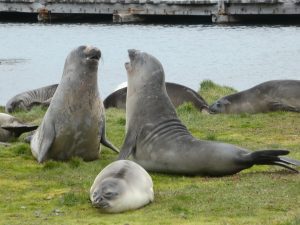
(107, 195)
(122, 185)
(220, 106)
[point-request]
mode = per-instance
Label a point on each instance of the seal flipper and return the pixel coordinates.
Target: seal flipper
(129, 146)
(278, 106)
(46, 103)
(45, 143)
(19, 129)
(272, 157)
(103, 140)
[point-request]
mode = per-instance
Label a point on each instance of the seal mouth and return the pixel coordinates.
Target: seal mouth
(101, 204)
(127, 66)
(92, 54)
(132, 53)
(95, 57)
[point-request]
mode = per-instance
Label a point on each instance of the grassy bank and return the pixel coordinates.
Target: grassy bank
(58, 192)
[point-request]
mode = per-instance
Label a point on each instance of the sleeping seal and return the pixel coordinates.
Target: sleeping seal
(74, 124)
(158, 141)
(178, 94)
(122, 185)
(26, 100)
(11, 127)
(274, 95)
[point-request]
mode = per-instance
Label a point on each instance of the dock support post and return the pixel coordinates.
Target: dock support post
(44, 15)
(126, 18)
(222, 16)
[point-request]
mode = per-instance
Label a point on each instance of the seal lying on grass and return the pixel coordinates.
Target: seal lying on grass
(11, 127)
(74, 124)
(122, 185)
(275, 95)
(26, 100)
(177, 93)
(158, 141)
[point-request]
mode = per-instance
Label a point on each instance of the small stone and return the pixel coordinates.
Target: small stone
(37, 213)
(49, 197)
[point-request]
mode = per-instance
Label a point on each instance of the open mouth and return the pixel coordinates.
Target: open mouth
(127, 65)
(132, 53)
(92, 53)
(95, 56)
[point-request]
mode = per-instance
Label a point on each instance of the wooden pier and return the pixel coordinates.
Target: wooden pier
(218, 11)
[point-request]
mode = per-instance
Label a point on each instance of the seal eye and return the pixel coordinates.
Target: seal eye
(218, 104)
(110, 195)
(95, 194)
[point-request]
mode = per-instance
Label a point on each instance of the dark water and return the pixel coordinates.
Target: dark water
(33, 55)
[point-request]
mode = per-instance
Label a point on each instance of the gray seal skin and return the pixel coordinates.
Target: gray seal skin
(178, 94)
(74, 124)
(274, 95)
(11, 127)
(158, 141)
(26, 100)
(117, 99)
(122, 185)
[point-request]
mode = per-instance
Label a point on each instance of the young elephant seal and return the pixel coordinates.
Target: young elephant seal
(26, 100)
(11, 127)
(274, 95)
(122, 185)
(158, 141)
(74, 124)
(178, 94)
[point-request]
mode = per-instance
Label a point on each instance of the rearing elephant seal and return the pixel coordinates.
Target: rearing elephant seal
(122, 185)
(177, 93)
(158, 141)
(74, 124)
(274, 95)
(26, 100)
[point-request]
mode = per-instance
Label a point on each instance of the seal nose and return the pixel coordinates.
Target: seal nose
(98, 200)
(132, 53)
(212, 108)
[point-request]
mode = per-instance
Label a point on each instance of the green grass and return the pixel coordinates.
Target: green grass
(58, 192)
(212, 92)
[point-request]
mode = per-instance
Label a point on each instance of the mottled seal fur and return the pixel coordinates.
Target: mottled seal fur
(74, 124)
(122, 185)
(26, 100)
(11, 127)
(158, 141)
(274, 95)
(178, 94)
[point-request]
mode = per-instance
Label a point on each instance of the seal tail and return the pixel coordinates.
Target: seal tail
(273, 157)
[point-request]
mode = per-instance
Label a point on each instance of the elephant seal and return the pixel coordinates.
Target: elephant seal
(122, 185)
(117, 99)
(158, 141)
(11, 127)
(74, 124)
(274, 95)
(26, 100)
(178, 94)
